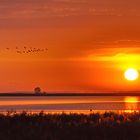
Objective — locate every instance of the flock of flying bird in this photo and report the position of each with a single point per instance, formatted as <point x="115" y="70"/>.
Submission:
<point x="28" y="50"/>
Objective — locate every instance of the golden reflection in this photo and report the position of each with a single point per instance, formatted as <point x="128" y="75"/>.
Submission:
<point x="131" y="104"/>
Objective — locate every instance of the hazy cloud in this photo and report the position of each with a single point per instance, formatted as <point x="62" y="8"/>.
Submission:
<point x="31" y="10"/>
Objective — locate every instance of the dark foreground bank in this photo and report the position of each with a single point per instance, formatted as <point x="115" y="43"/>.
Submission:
<point x="107" y="126"/>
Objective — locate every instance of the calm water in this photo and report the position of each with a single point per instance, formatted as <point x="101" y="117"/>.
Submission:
<point x="69" y="103"/>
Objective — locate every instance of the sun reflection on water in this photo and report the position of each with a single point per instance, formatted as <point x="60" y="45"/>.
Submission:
<point x="131" y="104"/>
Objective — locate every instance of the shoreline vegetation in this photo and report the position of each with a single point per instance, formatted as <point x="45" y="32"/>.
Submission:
<point x="97" y="126"/>
<point x="72" y="94"/>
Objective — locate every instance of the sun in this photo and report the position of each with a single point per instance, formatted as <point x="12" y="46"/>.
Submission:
<point x="131" y="74"/>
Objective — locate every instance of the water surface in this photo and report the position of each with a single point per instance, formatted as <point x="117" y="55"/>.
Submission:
<point x="69" y="103"/>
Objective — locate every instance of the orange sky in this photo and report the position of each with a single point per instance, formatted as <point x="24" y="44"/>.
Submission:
<point x="90" y="45"/>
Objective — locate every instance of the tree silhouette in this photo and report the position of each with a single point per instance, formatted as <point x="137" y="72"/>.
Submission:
<point x="37" y="90"/>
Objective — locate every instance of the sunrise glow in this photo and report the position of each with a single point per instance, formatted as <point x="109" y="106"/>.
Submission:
<point x="64" y="46"/>
<point x="131" y="74"/>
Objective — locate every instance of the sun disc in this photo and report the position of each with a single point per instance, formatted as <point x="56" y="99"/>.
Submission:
<point x="131" y="74"/>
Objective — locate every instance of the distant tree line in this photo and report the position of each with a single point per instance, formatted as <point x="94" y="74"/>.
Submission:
<point x="38" y="91"/>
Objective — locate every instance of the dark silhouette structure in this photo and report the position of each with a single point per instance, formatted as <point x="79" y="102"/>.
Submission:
<point x="37" y="90"/>
<point x="41" y="126"/>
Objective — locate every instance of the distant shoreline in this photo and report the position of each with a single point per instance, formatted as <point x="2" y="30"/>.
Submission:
<point x="69" y="94"/>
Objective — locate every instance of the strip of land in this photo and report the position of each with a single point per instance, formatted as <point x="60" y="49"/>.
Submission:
<point x="73" y="94"/>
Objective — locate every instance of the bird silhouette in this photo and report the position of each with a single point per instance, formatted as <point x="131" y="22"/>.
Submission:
<point x="28" y="50"/>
